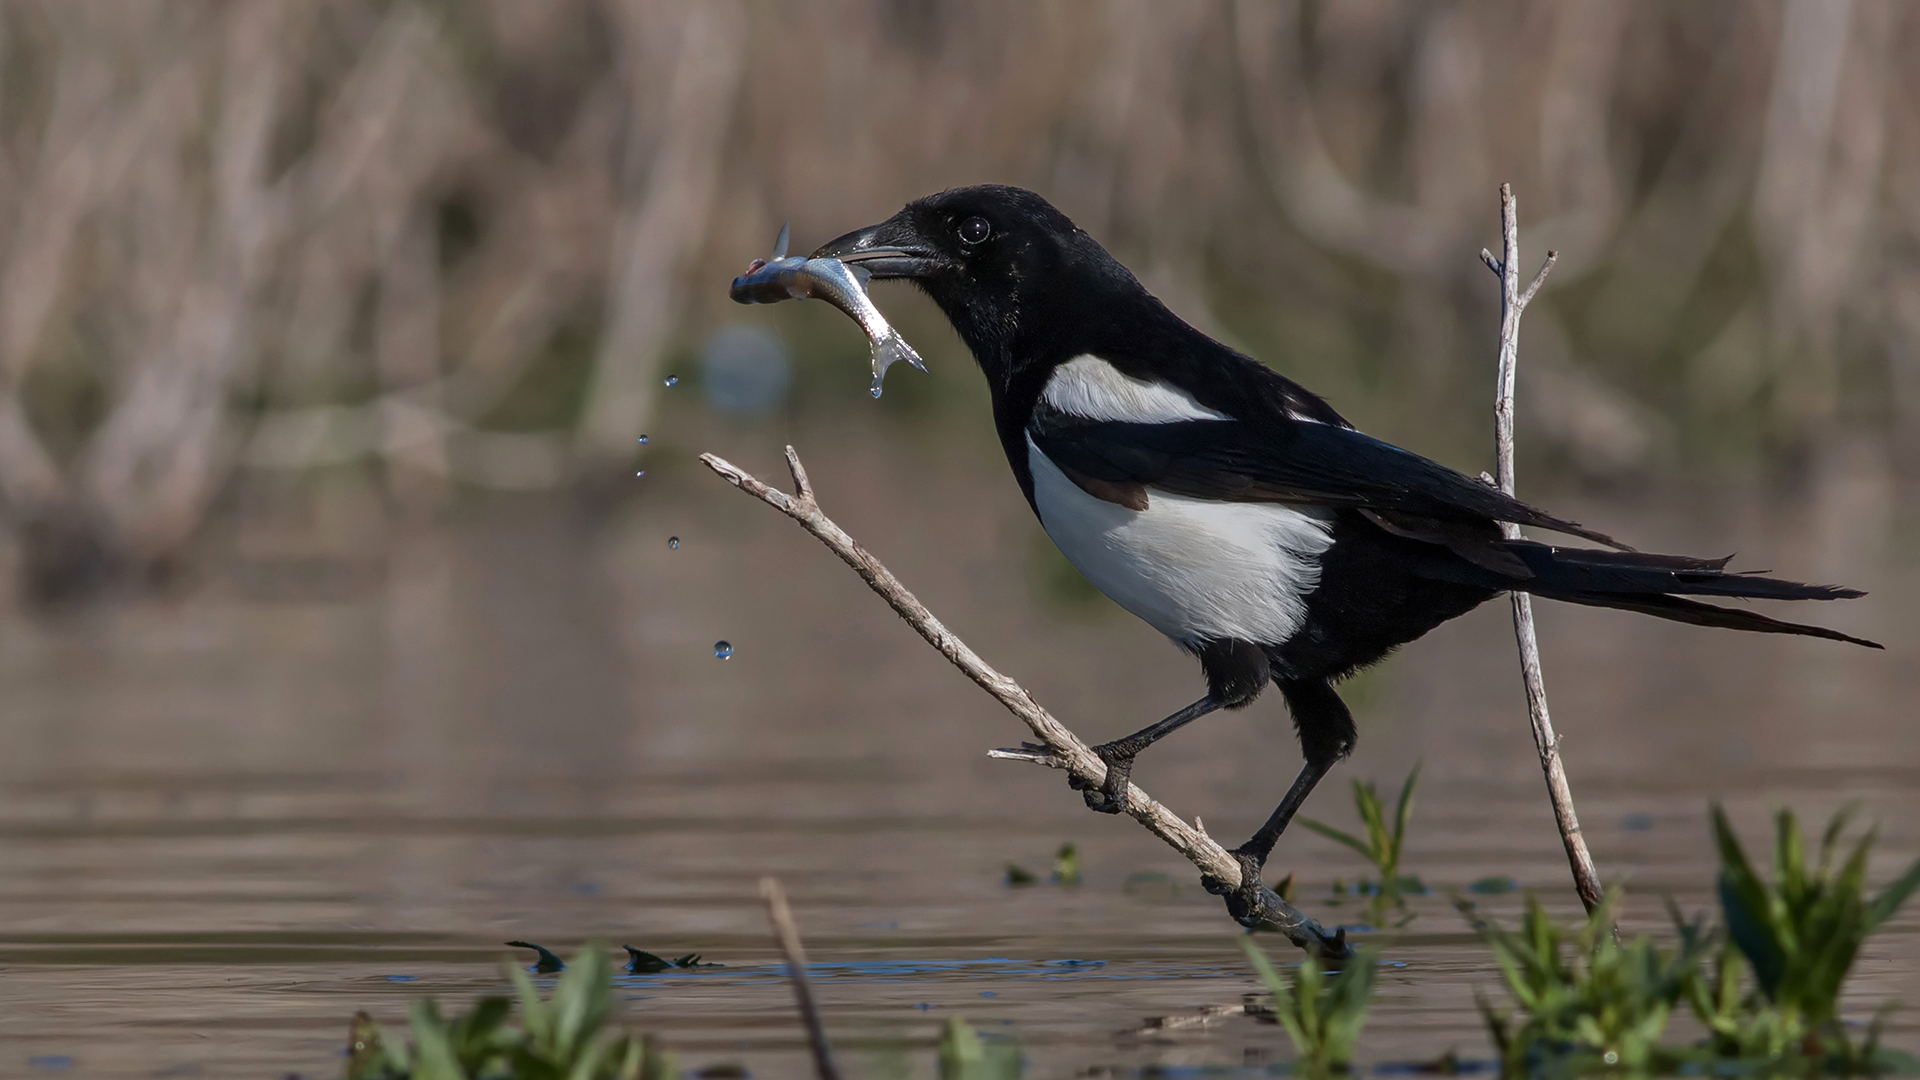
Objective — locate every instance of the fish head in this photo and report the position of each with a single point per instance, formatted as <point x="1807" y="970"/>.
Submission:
<point x="990" y="256"/>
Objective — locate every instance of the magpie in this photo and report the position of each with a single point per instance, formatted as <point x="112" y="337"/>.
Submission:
<point x="1224" y="504"/>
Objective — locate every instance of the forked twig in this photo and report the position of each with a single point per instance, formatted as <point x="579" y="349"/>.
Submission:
<point x="781" y="918"/>
<point x="1250" y="902"/>
<point x="1513" y="301"/>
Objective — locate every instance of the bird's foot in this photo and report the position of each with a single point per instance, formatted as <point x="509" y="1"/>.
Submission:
<point x="1110" y="795"/>
<point x="1245" y="901"/>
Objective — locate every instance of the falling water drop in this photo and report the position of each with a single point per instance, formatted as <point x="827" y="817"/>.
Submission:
<point x="642" y="472"/>
<point x="673" y="542"/>
<point x="672" y="379"/>
<point x="723" y="649"/>
<point x="643" y="440"/>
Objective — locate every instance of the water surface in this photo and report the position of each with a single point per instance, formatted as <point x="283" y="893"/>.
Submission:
<point x="307" y="784"/>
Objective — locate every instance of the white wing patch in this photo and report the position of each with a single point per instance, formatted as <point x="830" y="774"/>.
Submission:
<point x="1194" y="569"/>
<point x="1089" y="387"/>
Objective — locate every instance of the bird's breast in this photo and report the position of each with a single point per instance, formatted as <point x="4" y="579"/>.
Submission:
<point x="1194" y="569"/>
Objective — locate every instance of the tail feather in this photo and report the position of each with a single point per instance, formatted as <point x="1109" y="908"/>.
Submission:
<point x="1558" y="571"/>
<point x="1699" y="614"/>
<point x="1647" y="583"/>
<point x="1477" y="555"/>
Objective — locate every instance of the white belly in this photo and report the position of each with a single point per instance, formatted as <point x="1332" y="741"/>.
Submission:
<point x="1194" y="569"/>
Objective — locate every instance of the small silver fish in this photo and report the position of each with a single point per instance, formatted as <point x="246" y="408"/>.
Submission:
<point x="783" y="277"/>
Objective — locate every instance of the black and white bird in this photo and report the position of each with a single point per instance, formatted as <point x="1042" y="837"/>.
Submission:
<point x="1227" y="506"/>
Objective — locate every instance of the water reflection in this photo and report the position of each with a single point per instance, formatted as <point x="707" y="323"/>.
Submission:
<point x="231" y="817"/>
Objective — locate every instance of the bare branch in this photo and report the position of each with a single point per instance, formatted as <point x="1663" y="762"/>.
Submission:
<point x="1527" y="297"/>
<point x="1250" y="902"/>
<point x="800" y="485"/>
<point x="788" y="936"/>
<point x="1493" y="264"/>
<point x="1512" y="302"/>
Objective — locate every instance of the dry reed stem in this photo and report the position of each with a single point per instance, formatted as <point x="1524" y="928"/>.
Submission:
<point x="1513" y="301"/>
<point x="784" y="932"/>
<point x="1251" y="903"/>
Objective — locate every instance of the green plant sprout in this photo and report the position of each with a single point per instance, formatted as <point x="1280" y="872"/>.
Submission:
<point x="559" y="1038"/>
<point x="1586" y="1002"/>
<point x="1382" y="845"/>
<point x="1066" y="869"/>
<point x="964" y="1055"/>
<point x="1066" y="865"/>
<point x="1323" y="1013"/>
<point x="1798" y="935"/>
<point x="1766" y="986"/>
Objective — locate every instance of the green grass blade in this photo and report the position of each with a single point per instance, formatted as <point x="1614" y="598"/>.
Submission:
<point x="1373" y="814"/>
<point x="1263" y="967"/>
<point x="534" y="1014"/>
<point x="1404" y="810"/>
<point x="586" y="1063"/>
<point x="1893" y="896"/>
<point x="1830" y="840"/>
<point x="1747" y="908"/>
<point x="1336" y="835"/>
<point x="1789" y="858"/>
<point x="582" y="998"/>
<point x="433" y="1057"/>
<point x="962" y="1055"/>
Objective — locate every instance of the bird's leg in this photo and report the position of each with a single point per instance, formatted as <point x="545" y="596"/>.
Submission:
<point x="1253" y="854"/>
<point x="1111" y="796"/>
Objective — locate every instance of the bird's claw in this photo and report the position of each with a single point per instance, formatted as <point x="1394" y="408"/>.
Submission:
<point x="1110" y="795"/>
<point x="1244" y="901"/>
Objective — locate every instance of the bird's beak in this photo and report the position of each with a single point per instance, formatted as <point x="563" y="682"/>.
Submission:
<point x="891" y="249"/>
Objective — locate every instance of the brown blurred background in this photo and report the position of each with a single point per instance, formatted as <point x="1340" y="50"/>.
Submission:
<point x="341" y="642"/>
<point x="256" y="254"/>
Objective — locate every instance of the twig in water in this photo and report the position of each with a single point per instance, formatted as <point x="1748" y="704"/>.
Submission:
<point x="789" y="939"/>
<point x="1513" y="301"/>
<point x="1250" y="902"/>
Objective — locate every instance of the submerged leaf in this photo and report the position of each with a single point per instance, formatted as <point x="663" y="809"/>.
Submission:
<point x="642" y="962"/>
<point x="547" y="964"/>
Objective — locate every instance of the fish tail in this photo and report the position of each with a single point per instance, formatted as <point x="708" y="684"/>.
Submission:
<point x="892" y="347"/>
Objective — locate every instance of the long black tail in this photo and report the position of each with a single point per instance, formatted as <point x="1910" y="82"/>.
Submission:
<point x="1656" y="585"/>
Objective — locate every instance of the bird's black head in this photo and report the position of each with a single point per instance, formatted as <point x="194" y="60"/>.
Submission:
<point x="1002" y="263"/>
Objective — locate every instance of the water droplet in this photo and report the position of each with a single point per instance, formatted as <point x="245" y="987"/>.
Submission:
<point x="673" y="542"/>
<point x="643" y="440"/>
<point x="876" y="384"/>
<point x="642" y="472"/>
<point x="723" y="649"/>
<point x="673" y="380"/>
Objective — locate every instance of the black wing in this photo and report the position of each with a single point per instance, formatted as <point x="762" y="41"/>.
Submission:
<point x="1295" y="462"/>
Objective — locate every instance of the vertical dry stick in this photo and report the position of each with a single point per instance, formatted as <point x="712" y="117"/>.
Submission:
<point x="789" y="938"/>
<point x="1512" y="303"/>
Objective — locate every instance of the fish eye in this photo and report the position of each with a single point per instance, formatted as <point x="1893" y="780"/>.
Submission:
<point x="975" y="230"/>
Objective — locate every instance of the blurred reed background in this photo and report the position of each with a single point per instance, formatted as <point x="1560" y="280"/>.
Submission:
<point x="250" y="249"/>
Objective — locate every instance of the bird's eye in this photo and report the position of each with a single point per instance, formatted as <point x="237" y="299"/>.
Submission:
<point x="975" y="230"/>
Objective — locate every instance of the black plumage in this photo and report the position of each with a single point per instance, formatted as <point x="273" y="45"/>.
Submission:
<point x="1227" y="505"/>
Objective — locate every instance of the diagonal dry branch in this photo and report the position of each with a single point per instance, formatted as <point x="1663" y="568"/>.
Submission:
<point x="1513" y="301"/>
<point x="1250" y="902"/>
